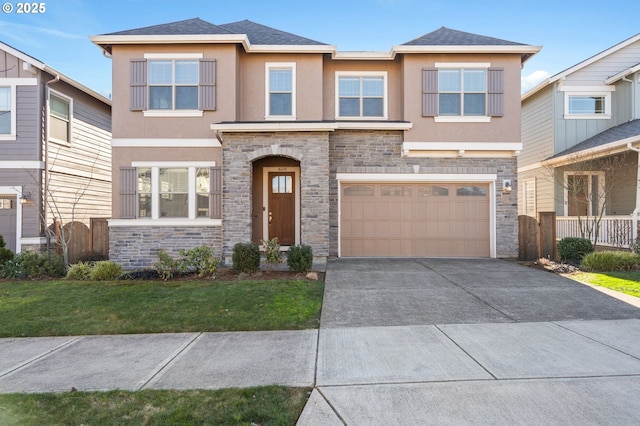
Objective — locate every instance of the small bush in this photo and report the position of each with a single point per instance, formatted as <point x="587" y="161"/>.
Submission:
<point x="11" y="269"/>
<point x="300" y="258"/>
<point x="41" y="265"/>
<point x="608" y="261"/>
<point x="636" y="246"/>
<point x="246" y="258"/>
<point x="5" y="253"/>
<point x="272" y="253"/>
<point x="91" y="257"/>
<point x="199" y="260"/>
<point x="106" y="270"/>
<point x="574" y="249"/>
<point x="166" y="266"/>
<point x="80" y="271"/>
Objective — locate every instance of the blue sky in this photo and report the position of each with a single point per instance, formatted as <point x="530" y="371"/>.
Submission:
<point x="569" y="30"/>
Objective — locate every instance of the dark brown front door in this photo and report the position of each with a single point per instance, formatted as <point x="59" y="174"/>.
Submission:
<point x="282" y="207"/>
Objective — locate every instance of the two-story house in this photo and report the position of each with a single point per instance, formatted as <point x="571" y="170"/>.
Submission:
<point x="240" y="132"/>
<point x="55" y="154"/>
<point x="581" y="141"/>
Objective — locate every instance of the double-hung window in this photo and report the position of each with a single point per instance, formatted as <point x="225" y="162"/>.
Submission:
<point x="59" y="118"/>
<point x="280" y="97"/>
<point x="173" y="84"/>
<point x="5" y="111"/>
<point x="171" y="190"/>
<point x="361" y="95"/>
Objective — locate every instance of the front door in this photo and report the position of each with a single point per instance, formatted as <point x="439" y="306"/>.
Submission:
<point x="8" y="218"/>
<point x="578" y="187"/>
<point x="282" y="207"/>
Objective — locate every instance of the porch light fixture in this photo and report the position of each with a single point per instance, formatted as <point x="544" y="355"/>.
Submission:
<point x="24" y="198"/>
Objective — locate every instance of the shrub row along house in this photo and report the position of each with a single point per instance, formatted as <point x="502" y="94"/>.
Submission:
<point x="581" y="136"/>
<point x="55" y="158"/>
<point x="240" y="132"/>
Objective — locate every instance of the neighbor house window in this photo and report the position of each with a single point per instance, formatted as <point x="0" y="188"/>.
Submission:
<point x="462" y="92"/>
<point x="361" y="95"/>
<point x="280" y="101"/>
<point x="585" y="105"/>
<point x="5" y="111"/>
<point x="529" y="195"/>
<point x="59" y="118"/>
<point x="173" y="84"/>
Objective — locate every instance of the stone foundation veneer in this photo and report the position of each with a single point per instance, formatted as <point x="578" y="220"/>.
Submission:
<point x="136" y="247"/>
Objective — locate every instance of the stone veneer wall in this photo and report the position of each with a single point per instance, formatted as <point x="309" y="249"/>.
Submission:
<point x="368" y="151"/>
<point x="135" y="247"/>
<point x="240" y="150"/>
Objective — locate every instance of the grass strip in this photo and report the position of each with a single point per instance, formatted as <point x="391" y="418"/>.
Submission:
<point x="627" y="282"/>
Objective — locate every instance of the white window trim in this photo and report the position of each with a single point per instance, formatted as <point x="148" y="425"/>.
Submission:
<point x="528" y="183"/>
<point x="385" y="99"/>
<point x="70" y="101"/>
<point x="171" y="112"/>
<point x="12" y="83"/>
<point x="155" y="167"/>
<point x="463" y="118"/>
<point x="607" y="104"/>
<point x="601" y="188"/>
<point x="267" y="104"/>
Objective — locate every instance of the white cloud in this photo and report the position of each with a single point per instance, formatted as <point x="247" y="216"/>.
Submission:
<point x="528" y="82"/>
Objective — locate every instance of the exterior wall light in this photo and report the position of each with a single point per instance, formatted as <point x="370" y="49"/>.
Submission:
<point x="506" y="186"/>
<point x="24" y="199"/>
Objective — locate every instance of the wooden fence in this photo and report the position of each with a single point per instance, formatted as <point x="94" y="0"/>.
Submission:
<point x="537" y="238"/>
<point x="86" y="240"/>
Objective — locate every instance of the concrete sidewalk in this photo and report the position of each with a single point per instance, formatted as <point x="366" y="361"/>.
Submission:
<point x="401" y="342"/>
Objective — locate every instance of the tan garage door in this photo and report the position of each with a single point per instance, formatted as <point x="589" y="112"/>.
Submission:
<point x="415" y="219"/>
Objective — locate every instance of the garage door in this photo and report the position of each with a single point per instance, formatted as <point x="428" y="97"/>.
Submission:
<point x="415" y="219"/>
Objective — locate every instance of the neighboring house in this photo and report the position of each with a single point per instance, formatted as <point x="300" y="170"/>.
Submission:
<point x="240" y="132"/>
<point x="55" y="154"/>
<point x="581" y="137"/>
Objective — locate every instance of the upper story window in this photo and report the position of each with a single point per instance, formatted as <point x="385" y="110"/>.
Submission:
<point x="361" y="95"/>
<point x="173" y="85"/>
<point x="466" y="92"/>
<point x="280" y="99"/>
<point x="59" y="118"/>
<point x="587" y="103"/>
<point x="5" y="111"/>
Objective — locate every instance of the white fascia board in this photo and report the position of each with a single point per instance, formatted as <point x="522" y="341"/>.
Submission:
<point x="26" y="165"/>
<point x="467" y="49"/>
<point x="416" y="177"/>
<point x="544" y="83"/>
<point x="364" y="56"/>
<point x="164" y="143"/>
<point x="273" y="127"/>
<point x="607" y="149"/>
<point x="622" y="74"/>
<point x="462" y="146"/>
<point x="22" y="56"/>
<point x="315" y="48"/>
<point x="124" y="223"/>
<point x="364" y="125"/>
<point x="169" y="39"/>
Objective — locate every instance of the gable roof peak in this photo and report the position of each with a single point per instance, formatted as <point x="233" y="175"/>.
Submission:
<point x="444" y="36"/>
<point x="191" y="26"/>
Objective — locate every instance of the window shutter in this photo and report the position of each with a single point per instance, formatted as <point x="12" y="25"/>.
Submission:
<point x="215" y="196"/>
<point x="128" y="185"/>
<point x="429" y="92"/>
<point x="138" y="84"/>
<point x="495" y="92"/>
<point x="207" y="85"/>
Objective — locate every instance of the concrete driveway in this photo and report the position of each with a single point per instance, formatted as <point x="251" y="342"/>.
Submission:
<point x="482" y="342"/>
<point x="391" y="292"/>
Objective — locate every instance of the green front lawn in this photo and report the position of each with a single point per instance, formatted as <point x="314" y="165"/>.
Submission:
<point x="271" y="405"/>
<point x="60" y="308"/>
<point x="627" y="282"/>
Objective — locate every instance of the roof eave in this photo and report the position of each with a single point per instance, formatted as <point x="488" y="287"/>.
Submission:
<point x="591" y="153"/>
<point x="525" y="50"/>
<point x="622" y="74"/>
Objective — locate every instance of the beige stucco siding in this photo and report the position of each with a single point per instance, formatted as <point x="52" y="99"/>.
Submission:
<point x="500" y="129"/>
<point x="133" y="124"/>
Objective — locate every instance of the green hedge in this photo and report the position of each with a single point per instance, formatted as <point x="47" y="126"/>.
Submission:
<point x="609" y="261"/>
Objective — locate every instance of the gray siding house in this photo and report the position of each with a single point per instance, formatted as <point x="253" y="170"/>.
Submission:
<point x="55" y="154"/>
<point x="581" y="141"/>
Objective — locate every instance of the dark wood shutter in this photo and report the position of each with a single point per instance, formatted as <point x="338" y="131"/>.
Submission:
<point x="128" y="186"/>
<point x="429" y="92"/>
<point x="495" y="92"/>
<point x="215" y="196"/>
<point x="138" y="84"/>
<point x="207" y="87"/>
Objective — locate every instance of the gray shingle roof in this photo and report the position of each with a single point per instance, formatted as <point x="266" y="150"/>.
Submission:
<point x="617" y="133"/>
<point x="257" y="33"/>
<point x="448" y="37"/>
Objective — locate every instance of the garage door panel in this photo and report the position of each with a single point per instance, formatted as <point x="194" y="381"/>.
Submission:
<point x="437" y="220"/>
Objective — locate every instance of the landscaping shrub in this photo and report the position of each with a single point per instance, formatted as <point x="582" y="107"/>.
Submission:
<point x="31" y="264"/>
<point x="608" y="261"/>
<point x="80" y="271"/>
<point x="246" y="258"/>
<point x="91" y="257"/>
<point x="574" y="249"/>
<point x="106" y="270"/>
<point x="166" y="266"/>
<point x="5" y="253"/>
<point x="199" y="260"/>
<point x="636" y="246"/>
<point x="272" y="253"/>
<point x="11" y="269"/>
<point x="300" y="258"/>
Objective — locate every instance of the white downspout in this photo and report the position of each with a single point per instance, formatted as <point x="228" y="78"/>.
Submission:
<point x="634" y="215"/>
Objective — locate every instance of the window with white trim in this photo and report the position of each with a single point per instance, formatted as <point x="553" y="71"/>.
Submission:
<point x="280" y="99"/>
<point x="5" y="111"/>
<point x="173" y="84"/>
<point x="462" y="92"/>
<point x="529" y="196"/>
<point x="585" y="105"/>
<point x="60" y="108"/>
<point x="361" y="95"/>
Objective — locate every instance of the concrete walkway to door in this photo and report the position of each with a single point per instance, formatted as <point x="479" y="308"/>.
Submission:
<point x="480" y="341"/>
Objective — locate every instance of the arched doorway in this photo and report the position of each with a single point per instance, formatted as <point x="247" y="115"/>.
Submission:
<point x="276" y="200"/>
